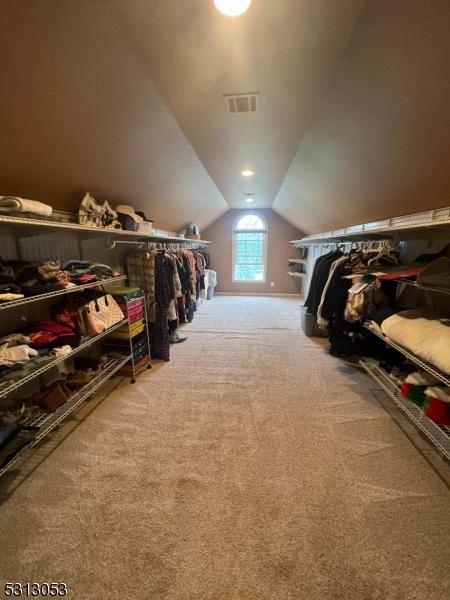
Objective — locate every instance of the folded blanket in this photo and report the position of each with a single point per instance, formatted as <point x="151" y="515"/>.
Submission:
<point x="14" y="204"/>
<point x="423" y="333"/>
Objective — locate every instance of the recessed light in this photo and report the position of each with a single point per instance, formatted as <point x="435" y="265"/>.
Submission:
<point x="249" y="197"/>
<point x="247" y="173"/>
<point x="232" y="8"/>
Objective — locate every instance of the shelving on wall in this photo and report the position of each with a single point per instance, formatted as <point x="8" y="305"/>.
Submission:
<point x="415" y="230"/>
<point x="438" y="435"/>
<point x="408" y="225"/>
<point x="46" y="224"/>
<point x="296" y="274"/>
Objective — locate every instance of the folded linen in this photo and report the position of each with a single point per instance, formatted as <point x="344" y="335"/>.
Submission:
<point x="15" y="204"/>
<point x="423" y="333"/>
<point x="10" y="354"/>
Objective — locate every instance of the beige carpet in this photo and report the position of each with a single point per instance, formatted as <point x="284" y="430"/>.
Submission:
<point x="252" y="466"/>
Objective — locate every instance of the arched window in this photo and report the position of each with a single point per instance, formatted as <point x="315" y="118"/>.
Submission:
<point x="249" y="248"/>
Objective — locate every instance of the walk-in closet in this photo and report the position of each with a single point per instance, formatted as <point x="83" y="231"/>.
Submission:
<point x="225" y="299"/>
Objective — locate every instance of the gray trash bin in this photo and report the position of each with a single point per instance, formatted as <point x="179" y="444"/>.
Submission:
<point x="309" y="325"/>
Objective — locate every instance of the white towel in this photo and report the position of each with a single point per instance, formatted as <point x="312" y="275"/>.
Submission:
<point x="14" y="204"/>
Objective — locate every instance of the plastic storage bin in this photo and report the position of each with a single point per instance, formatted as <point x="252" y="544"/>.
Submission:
<point x="309" y="325"/>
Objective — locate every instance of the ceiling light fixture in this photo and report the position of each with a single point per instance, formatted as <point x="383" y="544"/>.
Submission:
<point x="249" y="198"/>
<point x="232" y="8"/>
<point x="247" y="173"/>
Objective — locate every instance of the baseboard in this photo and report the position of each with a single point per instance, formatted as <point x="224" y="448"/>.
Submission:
<point x="254" y="294"/>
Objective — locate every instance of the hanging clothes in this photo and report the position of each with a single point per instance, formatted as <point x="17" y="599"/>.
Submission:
<point x="319" y="279"/>
<point x="172" y="280"/>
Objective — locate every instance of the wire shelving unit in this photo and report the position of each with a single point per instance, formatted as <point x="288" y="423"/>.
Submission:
<point x="438" y="435"/>
<point x="52" y="420"/>
<point x="415" y="223"/>
<point x="62" y="292"/>
<point x="425" y="288"/>
<point x="8" y="387"/>
<point x="47" y="224"/>
<point x="426" y="366"/>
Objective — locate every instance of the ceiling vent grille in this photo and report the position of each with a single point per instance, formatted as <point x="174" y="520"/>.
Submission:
<point x="242" y="103"/>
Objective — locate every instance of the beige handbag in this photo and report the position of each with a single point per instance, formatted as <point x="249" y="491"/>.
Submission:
<point x="100" y="314"/>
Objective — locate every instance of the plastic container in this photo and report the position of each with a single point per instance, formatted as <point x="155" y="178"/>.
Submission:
<point x="210" y="293"/>
<point x="309" y="325"/>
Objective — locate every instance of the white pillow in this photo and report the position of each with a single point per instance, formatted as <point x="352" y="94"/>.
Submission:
<point x="422" y="333"/>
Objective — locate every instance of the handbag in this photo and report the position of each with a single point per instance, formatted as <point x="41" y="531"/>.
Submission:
<point x="100" y="314"/>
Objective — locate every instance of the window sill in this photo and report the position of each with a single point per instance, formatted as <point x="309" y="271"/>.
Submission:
<point x="249" y="281"/>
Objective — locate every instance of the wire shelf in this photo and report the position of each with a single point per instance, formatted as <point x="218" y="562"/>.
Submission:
<point x="54" y="419"/>
<point x="417" y="222"/>
<point x="426" y="366"/>
<point x="439" y="436"/>
<point x="296" y="274"/>
<point x="43" y="223"/>
<point x="426" y="288"/>
<point x="62" y="292"/>
<point x="300" y="261"/>
<point x="8" y="387"/>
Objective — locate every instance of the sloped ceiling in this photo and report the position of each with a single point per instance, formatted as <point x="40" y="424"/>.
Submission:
<point x="124" y="99"/>
<point x="78" y="112"/>
<point x="286" y="50"/>
<point x="380" y="144"/>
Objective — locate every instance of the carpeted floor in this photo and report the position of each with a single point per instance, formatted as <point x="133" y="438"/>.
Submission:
<point x="252" y="466"/>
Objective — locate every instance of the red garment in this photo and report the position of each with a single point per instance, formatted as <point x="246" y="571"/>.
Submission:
<point x="86" y="278"/>
<point x="51" y="327"/>
<point x="42" y="338"/>
<point x="438" y="411"/>
<point x="412" y="272"/>
<point x="405" y="390"/>
<point x="69" y="315"/>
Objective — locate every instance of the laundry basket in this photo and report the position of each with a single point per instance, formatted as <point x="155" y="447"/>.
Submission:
<point x="212" y="282"/>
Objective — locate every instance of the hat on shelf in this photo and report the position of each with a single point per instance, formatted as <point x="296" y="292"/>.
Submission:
<point x="128" y="218"/>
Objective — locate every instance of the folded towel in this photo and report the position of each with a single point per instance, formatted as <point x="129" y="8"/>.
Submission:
<point x="13" y="204"/>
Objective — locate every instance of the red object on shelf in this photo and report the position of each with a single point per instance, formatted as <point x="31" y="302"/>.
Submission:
<point x="438" y="411"/>
<point x="405" y="390"/>
<point x="413" y="272"/>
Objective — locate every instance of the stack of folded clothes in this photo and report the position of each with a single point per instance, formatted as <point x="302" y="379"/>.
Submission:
<point x="14" y="437"/>
<point x="20" y="420"/>
<point x="83" y="271"/>
<point x="19" y="278"/>
<point x="414" y="386"/>
<point x="429" y="394"/>
<point x="15" y="349"/>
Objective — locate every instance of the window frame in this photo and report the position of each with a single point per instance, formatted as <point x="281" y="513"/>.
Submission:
<point x="234" y="244"/>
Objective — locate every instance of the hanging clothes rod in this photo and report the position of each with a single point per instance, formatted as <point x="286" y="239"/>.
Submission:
<point x="180" y="244"/>
<point x="113" y="243"/>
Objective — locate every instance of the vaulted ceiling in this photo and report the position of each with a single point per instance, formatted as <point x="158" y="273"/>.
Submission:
<point x="125" y="99"/>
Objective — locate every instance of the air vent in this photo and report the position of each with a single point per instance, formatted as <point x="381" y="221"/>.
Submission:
<point x="242" y="103"/>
